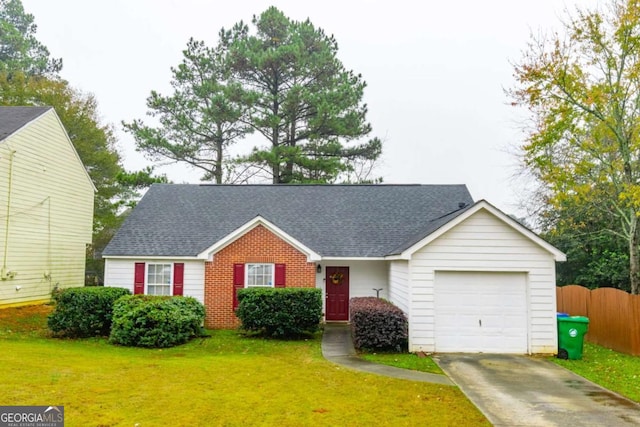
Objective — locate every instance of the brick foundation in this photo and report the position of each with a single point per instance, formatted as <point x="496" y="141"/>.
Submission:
<point x="257" y="245"/>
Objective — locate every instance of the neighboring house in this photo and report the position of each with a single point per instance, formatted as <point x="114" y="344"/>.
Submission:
<point x="46" y="207"/>
<point x="469" y="277"/>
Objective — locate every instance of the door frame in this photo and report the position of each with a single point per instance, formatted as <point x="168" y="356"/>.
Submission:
<point x="344" y="287"/>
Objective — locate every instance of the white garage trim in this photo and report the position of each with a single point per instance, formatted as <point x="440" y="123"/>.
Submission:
<point x="506" y="220"/>
<point x="481" y="312"/>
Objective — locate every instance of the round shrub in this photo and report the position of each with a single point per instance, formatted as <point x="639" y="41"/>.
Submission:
<point x="156" y="321"/>
<point x="377" y="324"/>
<point x="84" y="312"/>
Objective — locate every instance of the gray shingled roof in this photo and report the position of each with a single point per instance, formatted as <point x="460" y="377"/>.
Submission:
<point x="332" y="220"/>
<point x="13" y="118"/>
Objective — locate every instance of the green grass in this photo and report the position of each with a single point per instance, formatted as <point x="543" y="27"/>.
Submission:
<point x="226" y="379"/>
<point x="404" y="360"/>
<point x="616" y="371"/>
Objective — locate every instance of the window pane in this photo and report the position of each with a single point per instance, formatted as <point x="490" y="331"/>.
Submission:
<point x="159" y="290"/>
<point x="259" y="275"/>
<point x="159" y="279"/>
<point x="251" y="274"/>
<point x="151" y="274"/>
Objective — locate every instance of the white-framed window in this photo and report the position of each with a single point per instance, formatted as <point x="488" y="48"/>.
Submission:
<point x="159" y="279"/>
<point x="259" y="275"/>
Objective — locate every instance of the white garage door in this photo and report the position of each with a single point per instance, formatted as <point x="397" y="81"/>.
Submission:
<point x="480" y="312"/>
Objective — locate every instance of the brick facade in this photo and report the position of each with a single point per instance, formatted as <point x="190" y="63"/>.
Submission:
<point x="258" y="245"/>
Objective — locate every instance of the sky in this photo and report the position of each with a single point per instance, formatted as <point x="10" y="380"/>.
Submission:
<point x="436" y="73"/>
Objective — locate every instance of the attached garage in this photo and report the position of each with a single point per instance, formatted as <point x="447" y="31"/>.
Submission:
<point x="479" y="282"/>
<point x="480" y="312"/>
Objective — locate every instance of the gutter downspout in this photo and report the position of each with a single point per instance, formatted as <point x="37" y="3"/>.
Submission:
<point x="4" y="274"/>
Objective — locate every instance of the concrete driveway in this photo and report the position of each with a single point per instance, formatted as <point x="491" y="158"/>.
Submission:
<point x="527" y="391"/>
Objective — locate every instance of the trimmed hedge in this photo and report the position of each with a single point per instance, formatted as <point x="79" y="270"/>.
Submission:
<point x="377" y="324"/>
<point x="84" y="312"/>
<point x="280" y="312"/>
<point x="156" y="321"/>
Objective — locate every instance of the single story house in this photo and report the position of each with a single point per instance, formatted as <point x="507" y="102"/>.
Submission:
<point x="46" y="207"/>
<point x="469" y="277"/>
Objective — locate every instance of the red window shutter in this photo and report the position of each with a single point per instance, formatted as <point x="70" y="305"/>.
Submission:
<point x="238" y="282"/>
<point x="280" y="275"/>
<point x="178" y="278"/>
<point x="138" y="280"/>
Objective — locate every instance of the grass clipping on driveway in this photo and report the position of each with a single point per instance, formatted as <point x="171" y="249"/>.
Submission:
<point x="223" y="380"/>
<point x="404" y="360"/>
<point x="618" y="372"/>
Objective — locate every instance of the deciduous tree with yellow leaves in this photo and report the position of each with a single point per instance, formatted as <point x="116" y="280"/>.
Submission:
<point x="582" y="89"/>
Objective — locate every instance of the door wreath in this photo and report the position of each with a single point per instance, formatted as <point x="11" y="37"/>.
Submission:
<point x="336" y="278"/>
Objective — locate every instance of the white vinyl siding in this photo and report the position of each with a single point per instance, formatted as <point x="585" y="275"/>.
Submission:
<point x="367" y="276"/>
<point x="484" y="243"/>
<point x="120" y="273"/>
<point x="399" y="284"/>
<point x="50" y="212"/>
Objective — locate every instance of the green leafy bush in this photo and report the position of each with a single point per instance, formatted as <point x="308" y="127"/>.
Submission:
<point x="280" y="312"/>
<point x="156" y="321"/>
<point x="84" y="312"/>
<point x="377" y="324"/>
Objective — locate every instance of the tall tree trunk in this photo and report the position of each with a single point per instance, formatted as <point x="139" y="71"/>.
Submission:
<point x="275" y="165"/>
<point x="219" y="156"/>
<point x="634" y="258"/>
<point x="275" y="133"/>
<point x="288" y="168"/>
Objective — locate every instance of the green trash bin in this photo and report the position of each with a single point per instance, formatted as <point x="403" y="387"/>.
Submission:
<point x="571" y="331"/>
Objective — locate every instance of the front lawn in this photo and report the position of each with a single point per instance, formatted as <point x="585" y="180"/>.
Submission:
<point x="618" y="372"/>
<point x="222" y="380"/>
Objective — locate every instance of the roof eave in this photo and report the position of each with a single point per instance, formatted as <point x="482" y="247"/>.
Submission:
<point x="146" y="257"/>
<point x="397" y="257"/>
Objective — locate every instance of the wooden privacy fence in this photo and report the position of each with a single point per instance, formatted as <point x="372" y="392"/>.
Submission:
<point x="614" y="315"/>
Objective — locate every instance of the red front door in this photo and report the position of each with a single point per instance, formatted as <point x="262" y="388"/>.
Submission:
<point x="337" y="290"/>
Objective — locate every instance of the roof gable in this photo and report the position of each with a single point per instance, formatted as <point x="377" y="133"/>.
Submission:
<point x="339" y="221"/>
<point x="13" y="119"/>
<point x="245" y="228"/>
<point x="462" y="216"/>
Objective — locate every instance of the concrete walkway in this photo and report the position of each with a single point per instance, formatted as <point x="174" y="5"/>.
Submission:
<point x="337" y="347"/>
<point x="527" y="391"/>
